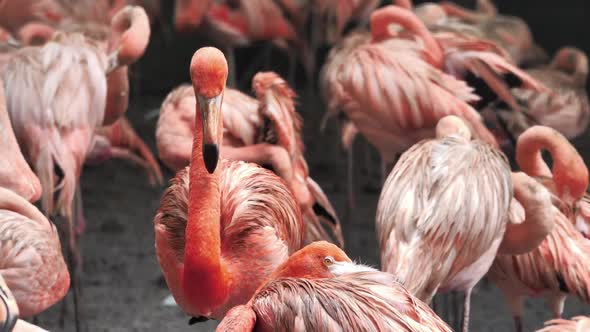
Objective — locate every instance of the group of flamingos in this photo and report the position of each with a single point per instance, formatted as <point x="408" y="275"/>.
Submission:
<point x="243" y="234"/>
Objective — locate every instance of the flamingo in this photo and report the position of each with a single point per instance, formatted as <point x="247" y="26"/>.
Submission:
<point x="576" y="324"/>
<point x="320" y="288"/>
<point x="510" y="32"/>
<point x="393" y="115"/>
<point x="442" y="214"/>
<point x="266" y="131"/>
<point x="222" y="227"/>
<point x="566" y="109"/>
<point x="56" y="97"/>
<point x="9" y="320"/>
<point x="117" y="139"/>
<point x="32" y="263"/>
<point x="15" y="173"/>
<point x="545" y="271"/>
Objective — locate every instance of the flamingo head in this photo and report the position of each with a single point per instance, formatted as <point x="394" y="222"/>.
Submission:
<point x="130" y="36"/>
<point x="318" y="260"/>
<point x="571" y="176"/>
<point x="572" y="61"/>
<point x="431" y="13"/>
<point x="452" y="125"/>
<point x="209" y="75"/>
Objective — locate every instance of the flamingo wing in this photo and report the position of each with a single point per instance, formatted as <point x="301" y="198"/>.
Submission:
<point x="362" y="301"/>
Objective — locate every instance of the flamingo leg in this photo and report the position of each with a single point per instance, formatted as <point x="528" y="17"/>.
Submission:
<point x="10" y="306"/>
<point x="349" y="177"/>
<point x="79" y="211"/>
<point x="231" y="61"/>
<point x="516" y="307"/>
<point x="466" y="309"/>
<point x="556" y="302"/>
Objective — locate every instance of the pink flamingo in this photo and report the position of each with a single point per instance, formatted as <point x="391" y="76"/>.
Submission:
<point x="266" y="131"/>
<point x="510" y="32"/>
<point x="566" y="108"/>
<point x="433" y="229"/>
<point x="393" y="115"/>
<point x="56" y="99"/>
<point x="15" y="173"/>
<point x="32" y="264"/>
<point x="221" y="229"/>
<point x="545" y="271"/>
<point x="576" y="324"/>
<point x="319" y="287"/>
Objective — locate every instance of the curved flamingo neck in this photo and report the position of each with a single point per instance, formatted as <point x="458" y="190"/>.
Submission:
<point x="381" y="19"/>
<point x="569" y="169"/>
<point x="205" y="278"/>
<point x="11" y="201"/>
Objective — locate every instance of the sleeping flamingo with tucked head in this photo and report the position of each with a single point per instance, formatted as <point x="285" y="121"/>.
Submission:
<point x="510" y="32"/>
<point x="32" y="263"/>
<point x="438" y="229"/>
<point x="266" y="131"/>
<point x="15" y="173"/>
<point x="320" y="288"/>
<point x="223" y="226"/>
<point x="557" y="267"/>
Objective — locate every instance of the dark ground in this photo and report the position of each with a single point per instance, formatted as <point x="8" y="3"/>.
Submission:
<point x="123" y="287"/>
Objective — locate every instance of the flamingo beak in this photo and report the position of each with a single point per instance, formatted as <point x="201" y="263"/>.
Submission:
<point x="209" y="109"/>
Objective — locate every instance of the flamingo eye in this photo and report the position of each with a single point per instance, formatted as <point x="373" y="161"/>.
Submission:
<point x="328" y="260"/>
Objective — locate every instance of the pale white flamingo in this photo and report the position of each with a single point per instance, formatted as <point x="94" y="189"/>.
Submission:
<point x="558" y="266"/>
<point x="443" y="212"/>
<point x="576" y="324"/>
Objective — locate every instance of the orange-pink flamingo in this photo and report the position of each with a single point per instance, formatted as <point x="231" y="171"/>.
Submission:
<point x="266" y="131"/>
<point x="442" y="214"/>
<point x="223" y="226"/>
<point x="319" y="287"/>
<point x="557" y="266"/>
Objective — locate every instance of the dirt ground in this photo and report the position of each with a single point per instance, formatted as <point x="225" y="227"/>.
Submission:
<point x="122" y="285"/>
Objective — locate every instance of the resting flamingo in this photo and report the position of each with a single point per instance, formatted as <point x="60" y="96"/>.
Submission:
<point x="222" y="226"/>
<point x="117" y="139"/>
<point x="32" y="263"/>
<point x="393" y="115"/>
<point x="433" y="231"/>
<point x="266" y="131"/>
<point x="545" y="271"/>
<point x="15" y="173"/>
<point x="576" y="324"/>
<point x="319" y="287"/>
<point x="56" y="97"/>
<point x="566" y="108"/>
<point x="510" y="32"/>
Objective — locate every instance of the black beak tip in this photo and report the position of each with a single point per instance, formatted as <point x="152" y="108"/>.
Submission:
<point x="211" y="157"/>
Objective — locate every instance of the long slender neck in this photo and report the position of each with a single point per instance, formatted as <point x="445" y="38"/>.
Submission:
<point x="520" y="238"/>
<point x="12" y="202"/>
<point x="205" y="277"/>
<point x="381" y="20"/>
<point x="528" y="153"/>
